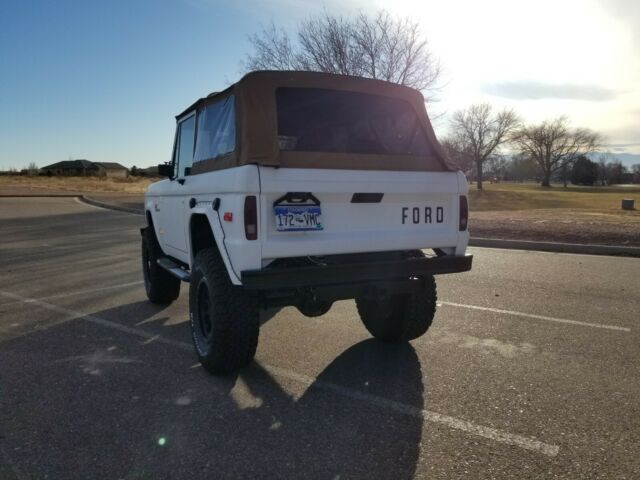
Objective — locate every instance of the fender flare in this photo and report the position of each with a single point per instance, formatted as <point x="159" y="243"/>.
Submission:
<point x="148" y="215"/>
<point x="218" y="235"/>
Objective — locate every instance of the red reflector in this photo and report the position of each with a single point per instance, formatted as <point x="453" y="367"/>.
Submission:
<point x="464" y="213"/>
<point x="251" y="217"/>
<point x="228" y="216"/>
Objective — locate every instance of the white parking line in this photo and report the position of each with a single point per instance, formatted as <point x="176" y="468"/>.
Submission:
<point x="500" y="436"/>
<point x="79" y="292"/>
<point x="72" y="314"/>
<point x="537" y="317"/>
<point x="51" y="255"/>
<point x="527" y="443"/>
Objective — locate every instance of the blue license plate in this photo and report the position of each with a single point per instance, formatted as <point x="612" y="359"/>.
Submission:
<point x="298" y="218"/>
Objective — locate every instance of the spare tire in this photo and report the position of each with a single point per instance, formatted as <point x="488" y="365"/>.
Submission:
<point x="400" y="317"/>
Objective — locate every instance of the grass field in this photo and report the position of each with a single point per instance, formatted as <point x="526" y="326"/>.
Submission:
<point x="78" y="184"/>
<point x="589" y="215"/>
<point x="511" y="196"/>
<point x="586" y="215"/>
<point x="494" y="197"/>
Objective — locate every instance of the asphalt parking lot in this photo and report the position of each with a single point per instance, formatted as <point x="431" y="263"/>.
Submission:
<point x="530" y="371"/>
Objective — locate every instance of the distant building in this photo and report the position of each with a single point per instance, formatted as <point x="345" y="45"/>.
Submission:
<point x="86" y="168"/>
<point x="148" y="172"/>
<point x="111" y="169"/>
<point x="70" y="168"/>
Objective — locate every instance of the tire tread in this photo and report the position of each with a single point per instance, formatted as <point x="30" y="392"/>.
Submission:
<point x="163" y="288"/>
<point x="236" y="320"/>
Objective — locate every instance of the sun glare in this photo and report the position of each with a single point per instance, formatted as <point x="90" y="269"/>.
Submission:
<point x="549" y="40"/>
<point x="573" y="42"/>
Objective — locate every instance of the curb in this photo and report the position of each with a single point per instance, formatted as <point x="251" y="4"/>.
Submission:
<point x="36" y="195"/>
<point x="555" y="247"/>
<point x="97" y="203"/>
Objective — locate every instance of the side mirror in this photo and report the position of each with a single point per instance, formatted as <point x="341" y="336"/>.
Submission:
<point x="165" y="170"/>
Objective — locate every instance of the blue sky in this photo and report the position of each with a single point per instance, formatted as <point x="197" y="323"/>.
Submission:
<point x="103" y="80"/>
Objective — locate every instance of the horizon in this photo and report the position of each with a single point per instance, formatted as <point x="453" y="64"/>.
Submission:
<point x="103" y="82"/>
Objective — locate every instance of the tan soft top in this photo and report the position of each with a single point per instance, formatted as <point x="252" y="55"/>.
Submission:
<point x="257" y="125"/>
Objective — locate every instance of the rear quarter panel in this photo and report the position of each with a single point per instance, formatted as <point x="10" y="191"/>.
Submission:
<point x="231" y="186"/>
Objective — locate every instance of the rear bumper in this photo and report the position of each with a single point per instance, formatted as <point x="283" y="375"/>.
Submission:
<point x="337" y="274"/>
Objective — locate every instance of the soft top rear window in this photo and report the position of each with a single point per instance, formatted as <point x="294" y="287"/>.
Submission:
<point x="320" y="120"/>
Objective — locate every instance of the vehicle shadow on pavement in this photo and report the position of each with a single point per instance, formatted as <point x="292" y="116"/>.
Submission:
<point x="328" y="431"/>
<point x="125" y="407"/>
<point x="142" y="313"/>
<point x="268" y="313"/>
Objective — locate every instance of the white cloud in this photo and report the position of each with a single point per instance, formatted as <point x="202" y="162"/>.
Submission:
<point x="536" y="90"/>
<point x="579" y="58"/>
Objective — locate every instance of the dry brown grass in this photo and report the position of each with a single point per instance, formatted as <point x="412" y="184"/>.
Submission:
<point x="495" y="197"/>
<point x="556" y="214"/>
<point x="79" y="184"/>
<point x="504" y="196"/>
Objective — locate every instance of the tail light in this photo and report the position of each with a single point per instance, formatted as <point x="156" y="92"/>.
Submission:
<point x="464" y="213"/>
<point x="251" y="217"/>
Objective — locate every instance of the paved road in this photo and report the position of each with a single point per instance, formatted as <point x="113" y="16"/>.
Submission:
<point x="530" y="371"/>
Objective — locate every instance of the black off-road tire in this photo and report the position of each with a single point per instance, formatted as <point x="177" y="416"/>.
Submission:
<point x="162" y="287"/>
<point x="224" y="318"/>
<point x="400" y="317"/>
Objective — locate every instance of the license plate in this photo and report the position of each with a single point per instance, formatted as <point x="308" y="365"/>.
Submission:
<point x="298" y="218"/>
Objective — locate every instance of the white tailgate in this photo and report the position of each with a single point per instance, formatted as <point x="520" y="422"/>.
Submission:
<point x="417" y="210"/>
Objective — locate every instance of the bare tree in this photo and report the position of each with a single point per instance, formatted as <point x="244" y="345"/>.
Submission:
<point x="32" y="168"/>
<point x="272" y="50"/>
<point x="497" y="166"/>
<point x="379" y="46"/>
<point x="394" y="49"/>
<point x="482" y="133"/>
<point x="458" y="154"/>
<point x="522" y="168"/>
<point x="616" y="172"/>
<point x="603" y="159"/>
<point x="552" y="143"/>
<point x="565" y="169"/>
<point x="326" y="44"/>
<point x="635" y="169"/>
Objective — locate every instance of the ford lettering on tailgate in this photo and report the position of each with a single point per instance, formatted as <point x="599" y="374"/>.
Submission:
<point x="422" y="215"/>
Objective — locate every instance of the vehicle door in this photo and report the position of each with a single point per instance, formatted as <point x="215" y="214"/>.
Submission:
<point x="173" y="209"/>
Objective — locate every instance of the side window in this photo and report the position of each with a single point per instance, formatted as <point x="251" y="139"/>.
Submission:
<point x="184" y="145"/>
<point x="216" y="130"/>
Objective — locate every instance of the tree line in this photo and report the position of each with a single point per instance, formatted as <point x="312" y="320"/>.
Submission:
<point x="394" y="49"/>
<point x="583" y="171"/>
<point x="549" y="150"/>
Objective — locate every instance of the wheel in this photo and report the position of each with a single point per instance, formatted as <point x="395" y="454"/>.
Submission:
<point x="224" y="318"/>
<point x="162" y="287"/>
<point x="400" y="317"/>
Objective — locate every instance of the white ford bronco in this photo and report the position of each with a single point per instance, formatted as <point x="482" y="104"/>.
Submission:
<point x="300" y="188"/>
